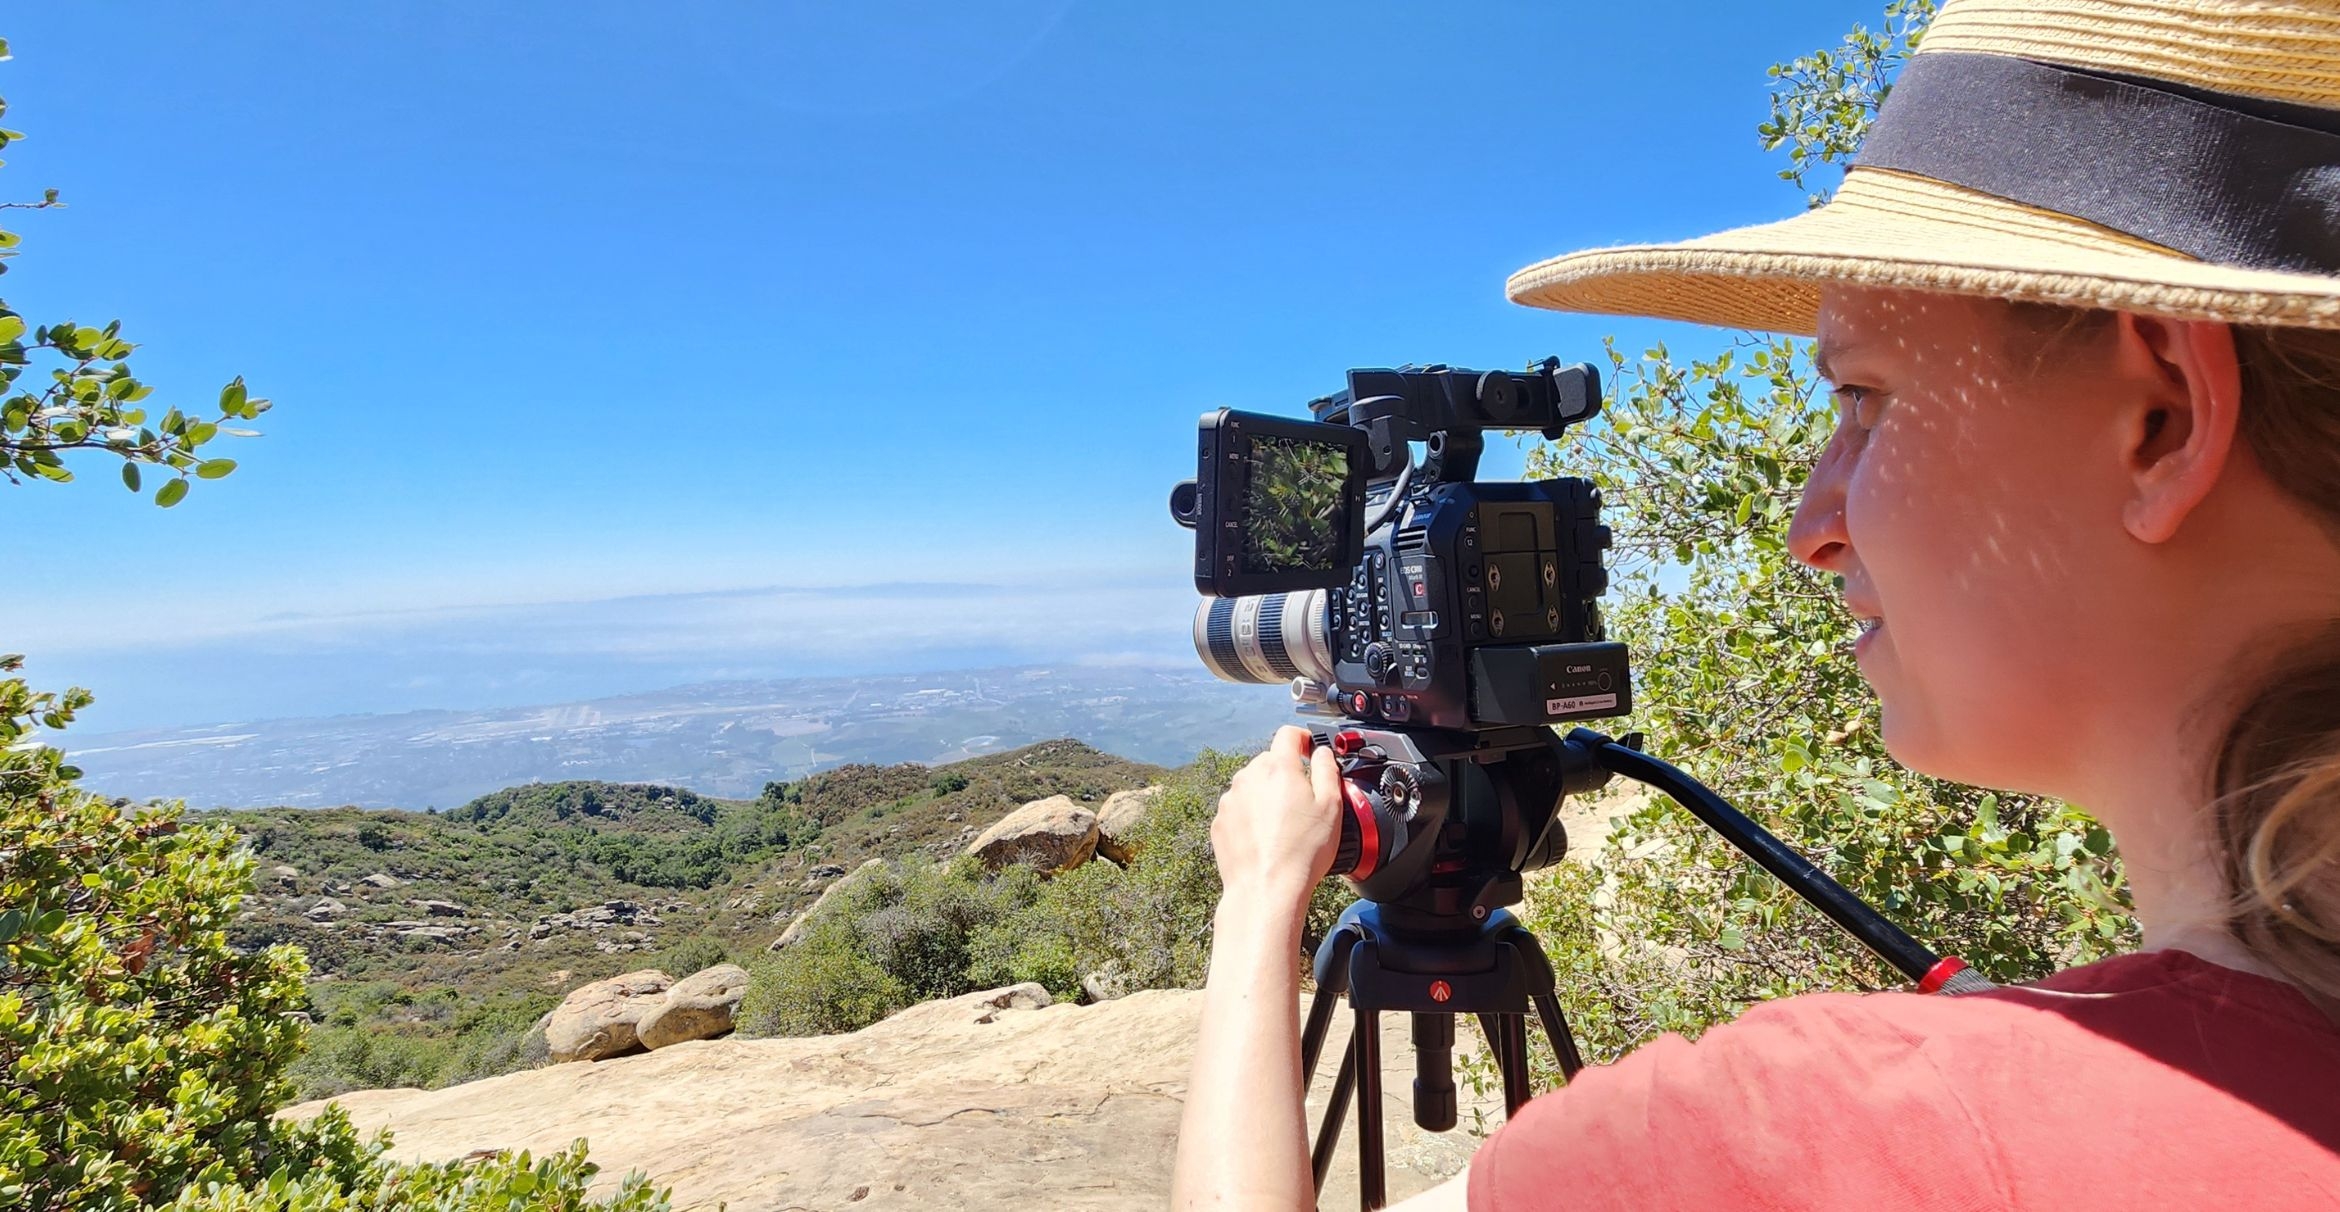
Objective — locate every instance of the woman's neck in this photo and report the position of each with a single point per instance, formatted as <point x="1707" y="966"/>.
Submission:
<point x="2169" y="852"/>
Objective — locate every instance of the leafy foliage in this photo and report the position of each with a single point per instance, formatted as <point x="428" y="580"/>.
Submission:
<point x="556" y="1183"/>
<point x="142" y="1056"/>
<point x="1821" y="103"/>
<point x="1746" y="673"/>
<point x="88" y="399"/>
<point x="897" y="936"/>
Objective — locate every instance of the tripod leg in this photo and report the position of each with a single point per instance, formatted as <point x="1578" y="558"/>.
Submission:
<point x="1503" y="1048"/>
<point x="1328" y="1134"/>
<point x="1320" y="1009"/>
<point x="1365" y="1048"/>
<point x="1517" y="1084"/>
<point x="1556" y="1027"/>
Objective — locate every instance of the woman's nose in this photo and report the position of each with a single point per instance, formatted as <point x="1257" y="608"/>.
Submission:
<point x="1816" y="536"/>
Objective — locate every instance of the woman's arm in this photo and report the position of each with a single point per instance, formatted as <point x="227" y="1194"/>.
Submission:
<point x="1243" y="1140"/>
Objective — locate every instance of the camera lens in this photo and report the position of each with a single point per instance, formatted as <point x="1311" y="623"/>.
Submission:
<point x="1265" y="638"/>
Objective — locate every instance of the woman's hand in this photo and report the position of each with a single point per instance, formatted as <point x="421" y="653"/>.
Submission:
<point x="1279" y="822"/>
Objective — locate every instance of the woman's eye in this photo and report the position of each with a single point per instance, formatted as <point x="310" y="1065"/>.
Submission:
<point x="1858" y="406"/>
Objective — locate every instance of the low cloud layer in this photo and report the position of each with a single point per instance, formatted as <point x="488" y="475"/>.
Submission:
<point x="506" y="655"/>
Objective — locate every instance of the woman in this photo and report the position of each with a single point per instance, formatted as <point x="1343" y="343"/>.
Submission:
<point x="2079" y="304"/>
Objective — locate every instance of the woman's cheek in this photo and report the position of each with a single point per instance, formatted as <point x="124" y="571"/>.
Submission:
<point x="1977" y="635"/>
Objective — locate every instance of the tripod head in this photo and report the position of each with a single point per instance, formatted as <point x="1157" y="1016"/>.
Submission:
<point x="1438" y="827"/>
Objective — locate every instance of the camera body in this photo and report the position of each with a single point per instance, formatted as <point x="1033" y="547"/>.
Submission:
<point x="1394" y="590"/>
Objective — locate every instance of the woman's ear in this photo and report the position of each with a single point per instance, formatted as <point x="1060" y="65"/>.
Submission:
<point x="2181" y="421"/>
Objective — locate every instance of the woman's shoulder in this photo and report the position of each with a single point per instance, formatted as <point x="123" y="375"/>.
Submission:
<point x="2162" y="1011"/>
<point x="2148" y="1074"/>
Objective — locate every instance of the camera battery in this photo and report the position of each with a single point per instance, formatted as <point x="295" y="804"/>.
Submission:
<point x="1549" y="683"/>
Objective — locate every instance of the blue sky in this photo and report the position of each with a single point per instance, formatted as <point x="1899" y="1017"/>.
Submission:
<point x="601" y="333"/>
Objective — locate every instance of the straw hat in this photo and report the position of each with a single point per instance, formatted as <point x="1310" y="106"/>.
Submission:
<point x="2178" y="157"/>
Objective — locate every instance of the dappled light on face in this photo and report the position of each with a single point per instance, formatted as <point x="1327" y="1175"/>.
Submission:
<point x="1963" y="520"/>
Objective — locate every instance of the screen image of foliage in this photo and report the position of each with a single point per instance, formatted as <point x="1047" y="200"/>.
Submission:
<point x="1294" y="515"/>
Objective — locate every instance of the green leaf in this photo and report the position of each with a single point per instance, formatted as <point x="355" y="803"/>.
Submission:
<point x="212" y="469"/>
<point x="11" y="327"/>
<point x="11" y="924"/>
<point x="130" y="476"/>
<point x="231" y="398"/>
<point x="171" y="494"/>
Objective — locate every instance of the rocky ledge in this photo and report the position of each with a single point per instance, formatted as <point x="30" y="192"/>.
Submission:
<point x="994" y="1100"/>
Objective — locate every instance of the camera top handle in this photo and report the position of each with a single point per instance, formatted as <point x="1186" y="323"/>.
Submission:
<point x="1450" y="410"/>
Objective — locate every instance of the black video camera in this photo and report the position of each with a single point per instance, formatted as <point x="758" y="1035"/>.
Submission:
<point x="1400" y="593"/>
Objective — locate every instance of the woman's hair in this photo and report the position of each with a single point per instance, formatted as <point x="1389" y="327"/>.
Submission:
<point x="2276" y="775"/>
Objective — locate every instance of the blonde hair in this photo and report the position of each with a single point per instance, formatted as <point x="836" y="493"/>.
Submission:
<point x="2275" y="780"/>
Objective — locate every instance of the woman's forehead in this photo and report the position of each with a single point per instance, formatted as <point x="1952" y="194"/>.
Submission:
<point x="1863" y="324"/>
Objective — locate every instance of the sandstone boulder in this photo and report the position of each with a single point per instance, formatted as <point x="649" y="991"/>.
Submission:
<point x="599" y="1020"/>
<point x="1050" y="836"/>
<point x="439" y="908"/>
<point x="1105" y="984"/>
<point x="284" y="877"/>
<point x="382" y="879"/>
<point x="700" y="1006"/>
<point x="796" y="927"/>
<point x="326" y="907"/>
<point x="1119" y="818"/>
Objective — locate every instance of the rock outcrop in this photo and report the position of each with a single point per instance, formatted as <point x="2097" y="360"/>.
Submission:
<point x="1050" y="836"/>
<point x="798" y="924"/>
<point x="1119" y="818"/>
<point x="699" y="1006"/>
<point x="992" y="1101"/>
<point x="600" y="1020"/>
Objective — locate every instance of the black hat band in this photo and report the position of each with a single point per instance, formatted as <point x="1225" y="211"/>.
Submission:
<point x="2228" y="180"/>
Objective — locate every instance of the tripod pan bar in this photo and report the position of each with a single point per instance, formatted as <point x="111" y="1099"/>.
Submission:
<point x="1889" y="941"/>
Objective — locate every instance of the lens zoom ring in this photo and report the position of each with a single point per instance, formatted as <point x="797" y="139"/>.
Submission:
<point x="1271" y="637"/>
<point x="1219" y="632"/>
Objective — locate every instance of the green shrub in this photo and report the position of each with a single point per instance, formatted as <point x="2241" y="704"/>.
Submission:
<point x="142" y="1058"/>
<point x="905" y="933"/>
<point x="556" y="1183"/>
<point x="686" y="956"/>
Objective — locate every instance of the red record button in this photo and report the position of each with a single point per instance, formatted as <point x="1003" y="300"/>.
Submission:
<point x="1441" y="992"/>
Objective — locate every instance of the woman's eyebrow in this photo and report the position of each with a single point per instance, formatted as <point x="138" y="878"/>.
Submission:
<point x="1824" y="354"/>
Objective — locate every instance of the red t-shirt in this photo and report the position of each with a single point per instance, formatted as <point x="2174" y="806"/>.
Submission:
<point x="2155" y="1080"/>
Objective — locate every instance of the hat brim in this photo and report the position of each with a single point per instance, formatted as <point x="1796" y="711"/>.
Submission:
<point x="1897" y="231"/>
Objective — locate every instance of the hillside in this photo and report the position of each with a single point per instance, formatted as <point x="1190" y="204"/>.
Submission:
<point x="435" y="939"/>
